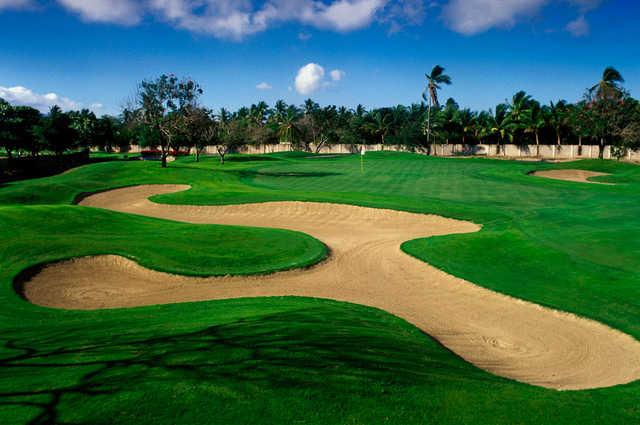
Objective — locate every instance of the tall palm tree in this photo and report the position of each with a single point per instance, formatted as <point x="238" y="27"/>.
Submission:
<point x="435" y="79"/>
<point x="609" y="86"/>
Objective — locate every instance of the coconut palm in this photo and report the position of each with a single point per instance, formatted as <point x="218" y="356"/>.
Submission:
<point x="501" y="125"/>
<point x="536" y="119"/>
<point x="379" y="124"/>
<point x="258" y="113"/>
<point x="466" y="122"/>
<point x="485" y="124"/>
<point x="518" y="110"/>
<point x="288" y="131"/>
<point x="558" y="118"/>
<point x="609" y="86"/>
<point x="435" y="79"/>
<point x="279" y="110"/>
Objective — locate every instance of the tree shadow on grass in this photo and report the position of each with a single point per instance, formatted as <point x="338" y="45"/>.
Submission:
<point x="251" y="158"/>
<point x="288" y="174"/>
<point x="295" y="350"/>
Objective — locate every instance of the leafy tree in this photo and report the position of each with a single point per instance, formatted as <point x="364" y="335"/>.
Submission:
<point x="578" y="122"/>
<point x="609" y="109"/>
<point x="84" y="122"/>
<point x="26" y="121"/>
<point x="56" y="131"/>
<point x="231" y="133"/>
<point x="7" y="141"/>
<point x="163" y="103"/>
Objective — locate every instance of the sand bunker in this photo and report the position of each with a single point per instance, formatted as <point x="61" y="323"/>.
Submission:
<point x="581" y="176"/>
<point x="503" y="335"/>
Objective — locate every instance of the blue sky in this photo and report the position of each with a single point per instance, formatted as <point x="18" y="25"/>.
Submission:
<point x="92" y="53"/>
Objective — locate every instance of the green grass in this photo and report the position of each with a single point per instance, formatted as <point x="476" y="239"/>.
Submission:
<point x="572" y="246"/>
<point x="114" y="155"/>
<point x="206" y="250"/>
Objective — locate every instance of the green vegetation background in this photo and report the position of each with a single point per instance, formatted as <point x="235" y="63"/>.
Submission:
<point x="571" y="246"/>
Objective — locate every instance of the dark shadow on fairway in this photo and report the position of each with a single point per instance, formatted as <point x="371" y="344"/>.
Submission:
<point x="251" y="158"/>
<point x="308" y="349"/>
<point x="297" y="174"/>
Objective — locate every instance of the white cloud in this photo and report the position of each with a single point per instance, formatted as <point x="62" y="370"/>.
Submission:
<point x="579" y="27"/>
<point x="471" y="17"/>
<point x="14" y="4"/>
<point x="309" y="78"/>
<point x="405" y="12"/>
<point x="123" y="12"/>
<point x="233" y="19"/>
<point x="345" y="15"/>
<point x="237" y="19"/>
<point x="25" y="97"/>
<point x="264" y="86"/>
<point x="312" y="77"/>
<point x="475" y="16"/>
<point x="337" y="74"/>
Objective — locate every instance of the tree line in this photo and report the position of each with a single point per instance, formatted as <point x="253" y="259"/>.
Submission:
<point x="166" y="114"/>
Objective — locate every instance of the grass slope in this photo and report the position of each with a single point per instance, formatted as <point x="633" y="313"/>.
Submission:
<point x="290" y="360"/>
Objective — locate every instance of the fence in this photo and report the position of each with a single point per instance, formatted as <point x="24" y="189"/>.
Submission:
<point x="548" y="152"/>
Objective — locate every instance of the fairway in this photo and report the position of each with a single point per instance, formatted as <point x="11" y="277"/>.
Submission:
<point x="568" y="246"/>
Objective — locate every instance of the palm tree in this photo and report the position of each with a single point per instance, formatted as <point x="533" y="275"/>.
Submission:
<point x="558" y="117"/>
<point x="280" y="109"/>
<point x="379" y="125"/>
<point x="536" y="119"/>
<point x="578" y="119"/>
<point x="609" y="86"/>
<point x="467" y="123"/>
<point x="288" y="131"/>
<point x="485" y="124"/>
<point x="434" y="81"/>
<point x="259" y="112"/>
<point x="501" y="125"/>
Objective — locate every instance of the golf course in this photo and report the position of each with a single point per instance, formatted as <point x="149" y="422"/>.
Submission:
<point x="301" y="288"/>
